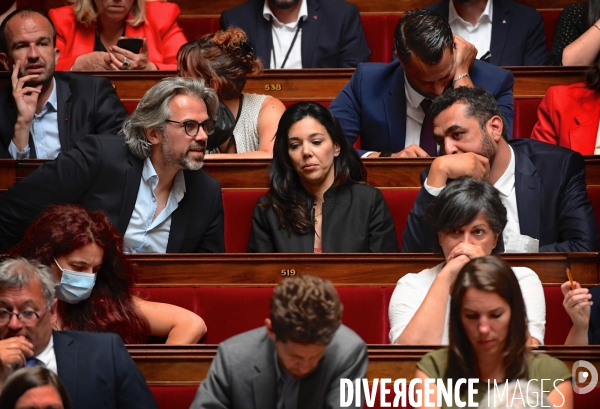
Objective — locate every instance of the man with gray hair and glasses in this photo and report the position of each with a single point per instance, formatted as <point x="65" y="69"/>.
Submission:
<point x="95" y="368"/>
<point x="149" y="183"/>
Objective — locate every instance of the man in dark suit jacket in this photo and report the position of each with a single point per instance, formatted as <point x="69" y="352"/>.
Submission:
<point x="374" y="103"/>
<point x="40" y="105"/>
<point x="296" y="360"/>
<point x="541" y="185"/>
<point x="149" y="184"/>
<point x="95" y="368"/>
<point x="332" y="35"/>
<point x="517" y="31"/>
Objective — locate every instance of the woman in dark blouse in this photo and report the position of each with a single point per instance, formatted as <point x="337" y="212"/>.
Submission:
<point x="318" y="200"/>
<point x="576" y="35"/>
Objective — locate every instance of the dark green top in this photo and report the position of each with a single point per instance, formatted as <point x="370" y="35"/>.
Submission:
<point x="539" y="366"/>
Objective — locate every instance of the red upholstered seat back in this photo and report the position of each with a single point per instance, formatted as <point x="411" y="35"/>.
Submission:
<point x="174" y="397"/>
<point x="379" y="31"/>
<point x="525" y="116"/>
<point x="130" y="106"/>
<point x="324" y="103"/>
<point x="196" y="26"/>
<point x="400" y="202"/>
<point x="549" y="17"/>
<point x="365" y="311"/>
<point x="238" y="206"/>
<point x="558" y="323"/>
<point x="231" y="311"/>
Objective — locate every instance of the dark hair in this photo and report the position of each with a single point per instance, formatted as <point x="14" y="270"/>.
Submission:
<point x="592" y="76"/>
<point x="491" y="274"/>
<point x="25" y="379"/>
<point x="306" y="309"/>
<point x="225" y="56"/>
<point x="481" y="105"/>
<point x="25" y="11"/>
<point x="423" y="33"/>
<point x="289" y="199"/>
<point x="62" y="229"/>
<point x="592" y="13"/>
<point x="461" y="201"/>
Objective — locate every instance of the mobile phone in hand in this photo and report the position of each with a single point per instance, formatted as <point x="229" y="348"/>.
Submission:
<point x="133" y="44"/>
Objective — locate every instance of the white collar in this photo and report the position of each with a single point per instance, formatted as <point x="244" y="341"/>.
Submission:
<point x="413" y="97"/>
<point x="487" y="12"/>
<point x="268" y="14"/>
<point x="506" y="183"/>
<point x="46" y="355"/>
<point x="148" y="172"/>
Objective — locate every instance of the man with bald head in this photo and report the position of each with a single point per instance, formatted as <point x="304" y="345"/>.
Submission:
<point x="45" y="113"/>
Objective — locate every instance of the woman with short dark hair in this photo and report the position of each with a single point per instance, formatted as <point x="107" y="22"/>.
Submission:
<point x="318" y="200"/>
<point x="488" y="338"/>
<point x="468" y="217"/>
<point x="33" y="386"/>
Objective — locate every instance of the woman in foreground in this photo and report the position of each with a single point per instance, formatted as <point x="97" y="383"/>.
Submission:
<point x="488" y="338"/>
<point x="95" y="280"/>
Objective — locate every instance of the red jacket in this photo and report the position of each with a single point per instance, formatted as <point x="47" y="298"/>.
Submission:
<point x="568" y="116"/>
<point x="163" y="35"/>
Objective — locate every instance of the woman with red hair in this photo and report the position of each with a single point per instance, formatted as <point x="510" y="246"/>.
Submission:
<point x="85" y="252"/>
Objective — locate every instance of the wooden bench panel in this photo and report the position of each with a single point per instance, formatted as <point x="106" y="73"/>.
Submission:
<point x="358" y="269"/>
<point x="188" y="365"/>
<point x="324" y="84"/>
<point x="253" y="173"/>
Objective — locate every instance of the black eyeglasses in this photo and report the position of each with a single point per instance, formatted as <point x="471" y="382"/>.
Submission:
<point x="27" y="317"/>
<point x="193" y="127"/>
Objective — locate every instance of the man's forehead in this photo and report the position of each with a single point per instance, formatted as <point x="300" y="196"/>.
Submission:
<point x="31" y="292"/>
<point x="27" y="23"/>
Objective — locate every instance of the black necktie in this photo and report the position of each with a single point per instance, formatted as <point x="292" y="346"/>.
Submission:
<point x="427" y="142"/>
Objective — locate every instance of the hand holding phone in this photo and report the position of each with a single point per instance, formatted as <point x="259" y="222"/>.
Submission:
<point x="132" y="44"/>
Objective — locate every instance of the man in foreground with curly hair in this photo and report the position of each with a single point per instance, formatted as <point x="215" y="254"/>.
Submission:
<point x="295" y="361"/>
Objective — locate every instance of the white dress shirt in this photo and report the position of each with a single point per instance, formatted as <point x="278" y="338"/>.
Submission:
<point x="414" y="114"/>
<point x="283" y="35"/>
<point x="411" y="290"/>
<point x="48" y="357"/>
<point x="44" y="130"/>
<point x="480" y="34"/>
<point x="514" y="241"/>
<point x="144" y="235"/>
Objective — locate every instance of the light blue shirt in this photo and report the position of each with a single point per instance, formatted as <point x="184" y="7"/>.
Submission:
<point x="144" y="235"/>
<point x="44" y="130"/>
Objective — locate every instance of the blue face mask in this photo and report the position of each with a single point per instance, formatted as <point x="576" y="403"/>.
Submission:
<point x="74" y="286"/>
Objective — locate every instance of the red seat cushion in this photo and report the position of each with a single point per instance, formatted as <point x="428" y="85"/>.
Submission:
<point x="196" y="26"/>
<point x="238" y="206"/>
<point x="365" y="311"/>
<point x="379" y="31"/>
<point x="525" y="116"/>
<point x="400" y="202"/>
<point x="172" y="397"/>
<point x="558" y="323"/>
<point x="231" y="311"/>
<point x="549" y="17"/>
